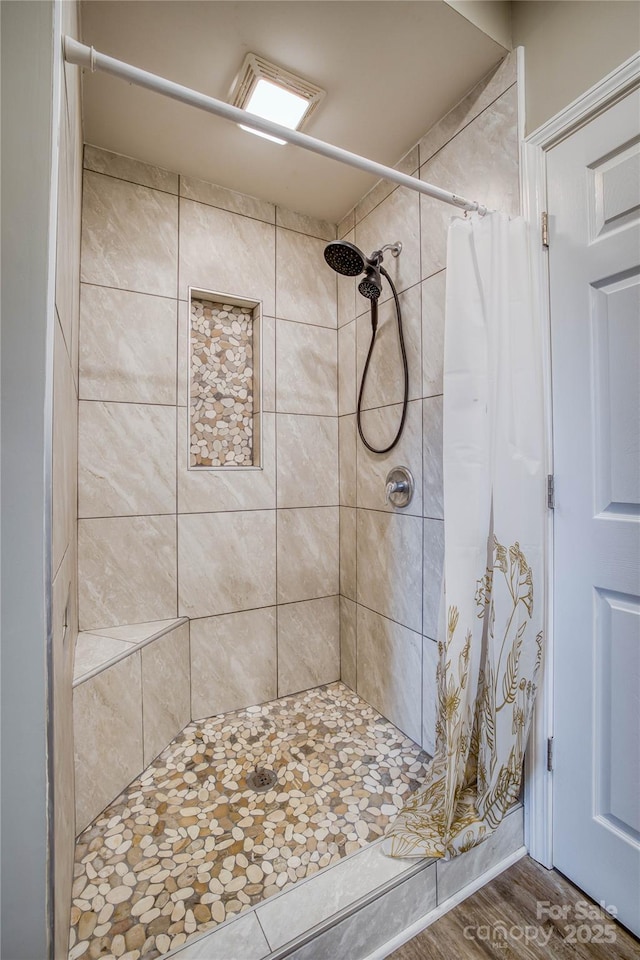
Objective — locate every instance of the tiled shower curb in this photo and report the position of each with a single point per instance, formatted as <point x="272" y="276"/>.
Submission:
<point x="376" y="922"/>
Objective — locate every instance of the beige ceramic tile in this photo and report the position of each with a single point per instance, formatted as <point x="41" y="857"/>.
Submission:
<point x="107" y="719"/>
<point x="268" y="346"/>
<point x="129" y="236"/>
<point x="242" y="939"/>
<point x="389" y="566"/>
<point x="304" y="224"/>
<point x="65" y="627"/>
<point x="432" y="469"/>
<point x="383" y="188"/>
<point x="334" y="889"/>
<point x="367" y="931"/>
<point x="226" y="253"/>
<point x="306" y="286"/>
<point x="348" y="552"/>
<point x="127" y="570"/>
<point x="124" y="168"/>
<point x="307" y="369"/>
<point x="385" y="380"/>
<point x="233" y="661"/>
<point x="458" y="872"/>
<point x="433" y="304"/>
<point x="308" y="644"/>
<point x="127" y="346"/>
<point x="433" y="570"/>
<point x="347" y="224"/>
<point x="209" y="491"/>
<point x="307" y="461"/>
<point x="348" y="614"/>
<point x="65" y="452"/>
<point x="390" y="670"/>
<point x="429" y="694"/>
<point x="226" y="562"/>
<point x="127" y="455"/>
<point x="347" y="292"/>
<point x="489" y="89"/>
<point x="396" y="218"/>
<point x="347" y="387"/>
<point x="138" y="632"/>
<point x="68" y="232"/>
<point x="308" y="559"/>
<point x="94" y="651"/>
<point x="482" y="163"/>
<point x="166" y="678"/>
<point x="380" y="427"/>
<point x="348" y="439"/>
<point x="230" y="200"/>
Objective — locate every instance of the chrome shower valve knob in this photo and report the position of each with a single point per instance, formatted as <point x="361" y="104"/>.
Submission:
<point x="399" y="487"/>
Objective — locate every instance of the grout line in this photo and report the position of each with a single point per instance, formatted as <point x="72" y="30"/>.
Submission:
<point x="130" y="403"/>
<point x="275" y="430"/>
<point x="144" y="759"/>
<point x="135" y="183"/>
<point x="384" y="616"/>
<point x="185" y="413"/>
<point x="422" y="472"/>
<point x="262" y="930"/>
<point x="214" y="513"/>
<point x="303" y="323"/>
<point x="138" y="293"/>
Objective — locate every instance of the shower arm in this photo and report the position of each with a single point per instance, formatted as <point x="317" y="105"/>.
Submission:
<point x="85" y="56"/>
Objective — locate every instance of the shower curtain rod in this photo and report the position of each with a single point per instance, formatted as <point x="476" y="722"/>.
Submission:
<point x="86" y="56"/>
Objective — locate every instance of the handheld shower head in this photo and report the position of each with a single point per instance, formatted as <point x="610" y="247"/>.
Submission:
<point x="345" y="258"/>
<point x="371" y="284"/>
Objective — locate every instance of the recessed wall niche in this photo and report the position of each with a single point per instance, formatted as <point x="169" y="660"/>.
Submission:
<point x="225" y="388"/>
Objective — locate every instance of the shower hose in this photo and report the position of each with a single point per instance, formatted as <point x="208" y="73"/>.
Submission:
<point x="405" y="368"/>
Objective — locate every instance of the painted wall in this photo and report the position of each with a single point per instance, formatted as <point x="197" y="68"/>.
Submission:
<point x="28" y="158"/>
<point x="570" y="46"/>
<point x="391" y="559"/>
<point x="250" y="557"/>
<point x="493" y="17"/>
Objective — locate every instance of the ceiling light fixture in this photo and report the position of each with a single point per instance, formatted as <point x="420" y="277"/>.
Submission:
<point x="270" y="91"/>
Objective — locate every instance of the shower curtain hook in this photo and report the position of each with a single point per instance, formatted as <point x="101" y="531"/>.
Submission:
<point x="92" y="60"/>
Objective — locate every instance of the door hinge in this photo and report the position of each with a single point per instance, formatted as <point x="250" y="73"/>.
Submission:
<point x="550" y="753"/>
<point x="551" y="492"/>
<point x="545" y="228"/>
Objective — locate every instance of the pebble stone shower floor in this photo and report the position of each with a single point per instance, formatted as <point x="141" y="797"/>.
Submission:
<point x="188" y="844"/>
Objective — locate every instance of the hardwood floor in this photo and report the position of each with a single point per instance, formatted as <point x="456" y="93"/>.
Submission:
<point x="509" y="919"/>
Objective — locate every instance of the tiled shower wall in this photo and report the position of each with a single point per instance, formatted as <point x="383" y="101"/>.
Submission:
<point x="64" y="487"/>
<point x="250" y="556"/>
<point x="391" y="559"/>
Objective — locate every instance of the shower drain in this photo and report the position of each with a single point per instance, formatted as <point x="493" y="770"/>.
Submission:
<point x="262" y="780"/>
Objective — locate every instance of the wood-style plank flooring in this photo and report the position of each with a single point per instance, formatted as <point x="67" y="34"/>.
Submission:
<point x="501" y="921"/>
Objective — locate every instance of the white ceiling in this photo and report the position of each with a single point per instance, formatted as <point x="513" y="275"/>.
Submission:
<point x="390" y="69"/>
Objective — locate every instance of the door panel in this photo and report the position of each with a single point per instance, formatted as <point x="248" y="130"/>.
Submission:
<point x="594" y="269"/>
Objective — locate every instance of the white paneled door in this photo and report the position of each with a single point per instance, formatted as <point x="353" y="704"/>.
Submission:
<point x="594" y="263"/>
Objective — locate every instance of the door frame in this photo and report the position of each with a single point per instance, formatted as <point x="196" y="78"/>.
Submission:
<point x="615" y="86"/>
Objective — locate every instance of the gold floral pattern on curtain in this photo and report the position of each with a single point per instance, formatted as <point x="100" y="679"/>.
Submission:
<point x="490" y="648"/>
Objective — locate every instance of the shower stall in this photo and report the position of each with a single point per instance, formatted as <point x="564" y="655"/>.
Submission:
<point x="254" y="680"/>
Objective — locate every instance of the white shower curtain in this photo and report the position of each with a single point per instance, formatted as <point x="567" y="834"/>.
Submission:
<point x="490" y="640"/>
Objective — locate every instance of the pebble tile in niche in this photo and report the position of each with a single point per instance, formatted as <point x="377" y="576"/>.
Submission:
<point x="221" y="385"/>
<point x="188" y="844"/>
